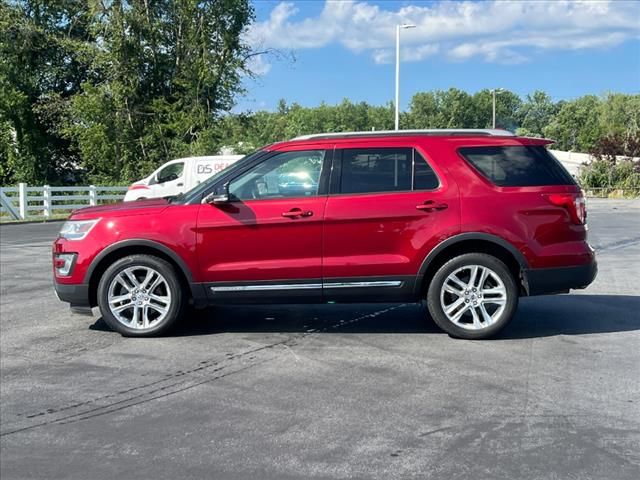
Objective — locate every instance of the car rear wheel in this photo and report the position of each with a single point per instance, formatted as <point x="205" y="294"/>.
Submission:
<point x="140" y="296"/>
<point x="472" y="296"/>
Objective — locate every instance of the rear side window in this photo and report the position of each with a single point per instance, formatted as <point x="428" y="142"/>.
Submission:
<point x="375" y="170"/>
<point x="372" y="170"/>
<point x="517" y="166"/>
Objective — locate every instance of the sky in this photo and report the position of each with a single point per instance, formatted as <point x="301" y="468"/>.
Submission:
<point x="335" y="49"/>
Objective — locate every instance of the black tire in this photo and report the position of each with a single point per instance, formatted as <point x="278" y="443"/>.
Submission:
<point x="164" y="268"/>
<point x="435" y="287"/>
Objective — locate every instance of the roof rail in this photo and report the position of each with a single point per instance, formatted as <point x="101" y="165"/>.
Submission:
<point x="487" y="132"/>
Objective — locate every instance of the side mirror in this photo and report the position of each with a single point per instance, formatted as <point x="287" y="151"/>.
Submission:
<point x="218" y="198"/>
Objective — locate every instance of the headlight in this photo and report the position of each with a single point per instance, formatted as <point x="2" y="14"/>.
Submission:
<point x="77" y="229"/>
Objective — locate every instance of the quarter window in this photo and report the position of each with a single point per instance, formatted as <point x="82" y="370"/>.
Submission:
<point x="287" y="174"/>
<point x="424" y="178"/>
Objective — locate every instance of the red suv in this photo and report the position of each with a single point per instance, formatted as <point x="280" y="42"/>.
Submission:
<point x="469" y="220"/>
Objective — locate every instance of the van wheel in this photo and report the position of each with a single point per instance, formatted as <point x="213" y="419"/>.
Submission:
<point x="472" y="296"/>
<point x="140" y="296"/>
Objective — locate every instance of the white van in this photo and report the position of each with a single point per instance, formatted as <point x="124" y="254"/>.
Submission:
<point x="178" y="176"/>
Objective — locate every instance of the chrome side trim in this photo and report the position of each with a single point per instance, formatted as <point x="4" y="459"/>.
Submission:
<point x="389" y="283"/>
<point x="257" y="288"/>
<point x="305" y="286"/>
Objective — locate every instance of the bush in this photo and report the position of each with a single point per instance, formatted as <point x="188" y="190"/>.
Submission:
<point x="621" y="175"/>
<point x="614" y="145"/>
<point x="616" y="166"/>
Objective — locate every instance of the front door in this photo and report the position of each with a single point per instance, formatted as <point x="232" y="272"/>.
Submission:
<point x="387" y="209"/>
<point x="266" y="243"/>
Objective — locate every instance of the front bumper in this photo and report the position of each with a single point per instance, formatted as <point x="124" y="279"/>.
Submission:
<point x="543" y="281"/>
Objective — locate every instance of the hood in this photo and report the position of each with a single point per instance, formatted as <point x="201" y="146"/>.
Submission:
<point x="140" y="183"/>
<point x="120" y="209"/>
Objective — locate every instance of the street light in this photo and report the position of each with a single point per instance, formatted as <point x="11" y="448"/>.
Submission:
<point x="495" y="92"/>
<point x="398" y="27"/>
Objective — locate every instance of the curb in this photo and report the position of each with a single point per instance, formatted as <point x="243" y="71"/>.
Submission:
<point x="28" y="222"/>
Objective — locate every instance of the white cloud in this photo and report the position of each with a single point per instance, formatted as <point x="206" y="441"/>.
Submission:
<point x="508" y="49"/>
<point x="497" y="31"/>
<point x="407" y="54"/>
<point x="258" y="65"/>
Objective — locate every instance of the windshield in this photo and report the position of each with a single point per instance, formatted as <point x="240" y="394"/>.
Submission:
<point x="197" y="191"/>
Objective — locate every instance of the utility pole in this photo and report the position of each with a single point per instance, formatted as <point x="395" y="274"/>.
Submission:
<point x="398" y="27"/>
<point x="494" y="92"/>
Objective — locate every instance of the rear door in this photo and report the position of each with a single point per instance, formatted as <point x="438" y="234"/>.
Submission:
<point x="388" y="207"/>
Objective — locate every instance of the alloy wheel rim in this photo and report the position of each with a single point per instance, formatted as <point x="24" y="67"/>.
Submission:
<point x="473" y="297"/>
<point x="139" y="297"/>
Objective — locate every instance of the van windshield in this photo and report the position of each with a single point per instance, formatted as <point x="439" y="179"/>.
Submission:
<point x="197" y="191"/>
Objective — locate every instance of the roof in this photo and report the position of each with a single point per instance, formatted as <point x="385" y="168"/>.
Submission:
<point x="484" y="132"/>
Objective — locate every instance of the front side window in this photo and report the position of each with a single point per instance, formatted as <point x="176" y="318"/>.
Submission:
<point x="285" y="175"/>
<point x="170" y="172"/>
<point x="371" y="170"/>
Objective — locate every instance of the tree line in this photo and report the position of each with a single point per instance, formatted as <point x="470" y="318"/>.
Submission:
<point x="582" y="124"/>
<point x="106" y="91"/>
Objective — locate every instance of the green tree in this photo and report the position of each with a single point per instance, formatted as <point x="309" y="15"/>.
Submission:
<point x="161" y="75"/>
<point x="620" y="114"/>
<point x="508" y="105"/>
<point x="41" y="67"/>
<point x="536" y="113"/>
<point x="455" y="108"/>
<point x="424" y="111"/>
<point x="114" y="87"/>
<point x="577" y="124"/>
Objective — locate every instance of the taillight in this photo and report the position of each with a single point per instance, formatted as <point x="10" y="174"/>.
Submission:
<point x="581" y="208"/>
<point x="574" y="204"/>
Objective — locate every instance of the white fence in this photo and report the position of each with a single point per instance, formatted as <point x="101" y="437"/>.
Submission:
<point x="572" y="161"/>
<point x="23" y="202"/>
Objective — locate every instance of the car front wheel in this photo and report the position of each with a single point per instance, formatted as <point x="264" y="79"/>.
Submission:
<point x="472" y="296"/>
<point x="140" y="296"/>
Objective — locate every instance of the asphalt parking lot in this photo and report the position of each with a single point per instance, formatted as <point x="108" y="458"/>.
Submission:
<point x="324" y="392"/>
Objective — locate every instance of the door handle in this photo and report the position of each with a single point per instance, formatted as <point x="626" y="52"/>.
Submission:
<point x="296" y="212"/>
<point x="431" y="206"/>
<point x="180" y="185"/>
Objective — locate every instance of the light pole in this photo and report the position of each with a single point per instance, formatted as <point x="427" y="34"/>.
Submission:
<point x="398" y="27"/>
<point x="495" y="92"/>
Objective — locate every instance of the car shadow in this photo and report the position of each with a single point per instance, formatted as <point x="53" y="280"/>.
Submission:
<point x="578" y="314"/>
